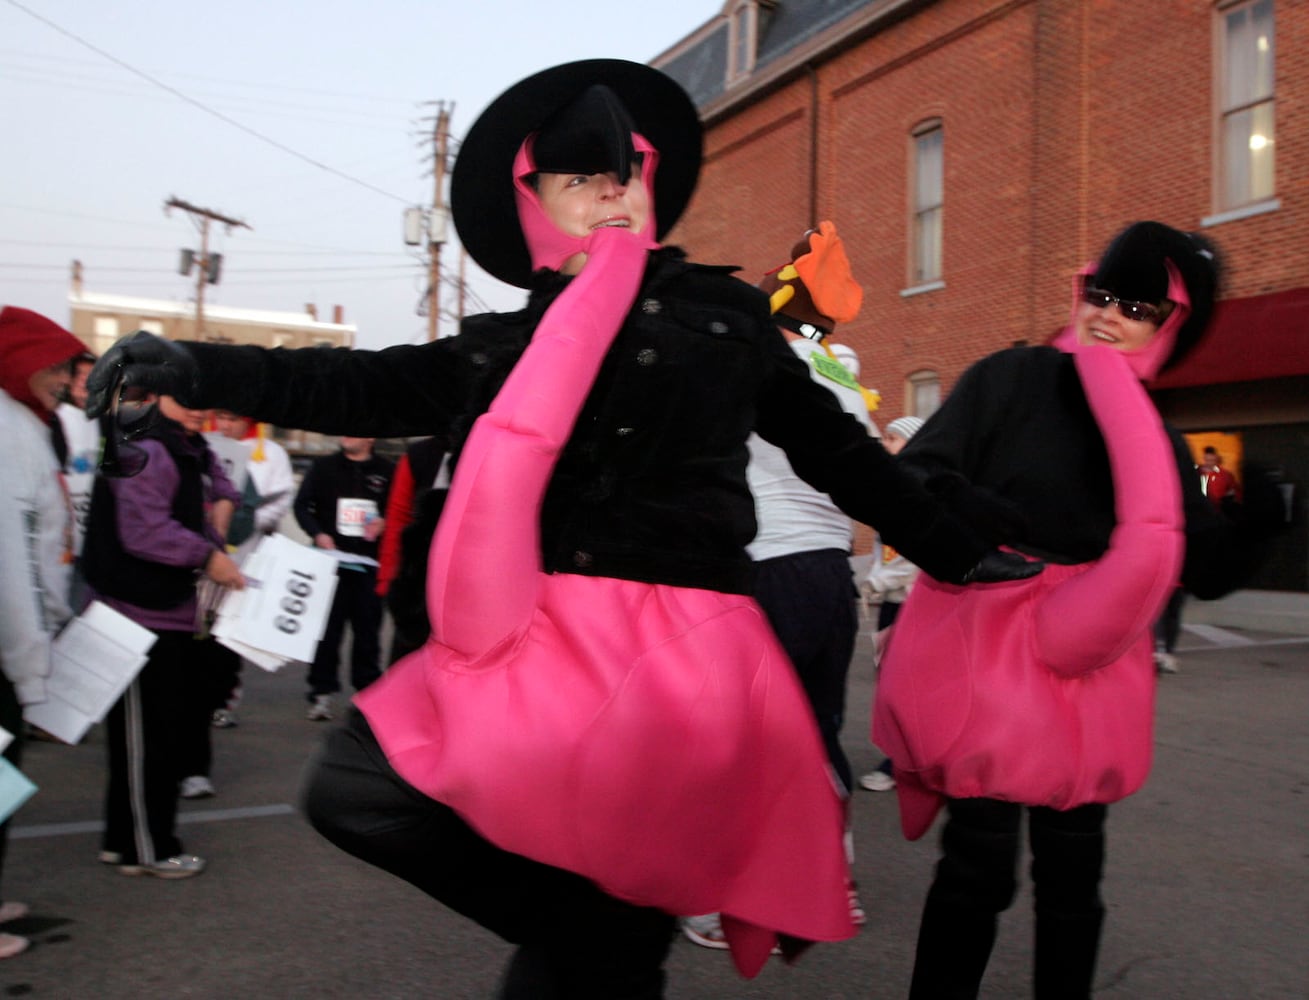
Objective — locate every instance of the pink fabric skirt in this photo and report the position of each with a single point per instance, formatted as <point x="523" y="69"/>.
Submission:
<point x="967" y="706"/>
<point x="668" y="754"/>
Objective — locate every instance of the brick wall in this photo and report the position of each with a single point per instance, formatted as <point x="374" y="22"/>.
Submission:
<point x="1063" y="120"/>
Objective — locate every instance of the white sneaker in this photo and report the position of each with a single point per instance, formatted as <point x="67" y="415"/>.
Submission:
<point x="223" y="718"/>
<point x="197" y="787"/>
<point x="705" y="930"/>
<point x="1165" y="663"/>
<point x="321" y="709"/>
<point x="877" y="781"/>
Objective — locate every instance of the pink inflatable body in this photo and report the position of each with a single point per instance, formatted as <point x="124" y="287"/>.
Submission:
<point x="651" y="738"/>
<point x="1042" y="691"/>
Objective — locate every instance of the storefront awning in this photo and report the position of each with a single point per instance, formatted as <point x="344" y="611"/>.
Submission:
<point x="1261" y="337"/>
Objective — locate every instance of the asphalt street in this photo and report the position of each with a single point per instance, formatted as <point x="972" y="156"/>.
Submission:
<point x="1207" y="882"/>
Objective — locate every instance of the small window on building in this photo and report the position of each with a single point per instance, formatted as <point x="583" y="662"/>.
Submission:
<point x="105" y="326"/>
<point x="928" y="197"/>
<point x="1245" y="86"/>
<point x="924" y="395"/>
<point x="745" y="25"/>
<point x="154" y="326"/>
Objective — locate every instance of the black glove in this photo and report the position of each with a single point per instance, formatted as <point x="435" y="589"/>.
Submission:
<point x="999" y="567"/>
<point x="147" y="361"/>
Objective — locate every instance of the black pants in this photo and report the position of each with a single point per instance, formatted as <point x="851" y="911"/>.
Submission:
<point x="213" y="670"/>
<point x="811" y="603"/>
<point x="975" y="881"/>
<point x="355" y="601"/>
<point x="152" y="733"/>
<point x="574" y="941"/>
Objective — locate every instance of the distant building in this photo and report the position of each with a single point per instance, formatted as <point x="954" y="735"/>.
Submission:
<point x="100" y="319"/>
<point x="976" y="153"/>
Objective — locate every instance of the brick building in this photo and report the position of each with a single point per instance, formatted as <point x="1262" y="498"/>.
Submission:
<point x="976" y="153"/>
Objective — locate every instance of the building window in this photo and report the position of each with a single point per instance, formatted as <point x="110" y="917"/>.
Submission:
<point x="924" y="393"/>
<point x="152" y="326"/>
<point x="105" y="326"/>
<point x="928" y="195"/>
<point x="1245" y="128"/>
<point x="745" y="25"/>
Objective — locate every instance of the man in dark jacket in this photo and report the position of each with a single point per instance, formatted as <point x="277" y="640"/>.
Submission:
<point x="340" y="506"/>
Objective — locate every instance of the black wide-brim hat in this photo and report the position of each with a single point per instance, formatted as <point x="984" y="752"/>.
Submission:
<point x="482" y="185"/>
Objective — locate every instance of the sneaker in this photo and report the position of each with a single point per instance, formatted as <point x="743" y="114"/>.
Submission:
<point x="12" y="944"/>
<point x="197" y="787"/>
<point x="877" y="781"/>
<point x="110" y="858"/>
<point x="705" y="930"/>
<point x="321" y="709"/>
<point x="178" y="866"/>
<point x="857" y="915"/>
<point x="223" y="718"/>
<point x="1165" y="663"/>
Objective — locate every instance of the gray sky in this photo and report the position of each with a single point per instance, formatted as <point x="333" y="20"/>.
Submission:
<point x="92" y="149"/>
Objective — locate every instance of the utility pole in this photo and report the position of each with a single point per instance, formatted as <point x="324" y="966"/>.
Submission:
<point x="208" y="271"/>
<point x="436" y="228"/>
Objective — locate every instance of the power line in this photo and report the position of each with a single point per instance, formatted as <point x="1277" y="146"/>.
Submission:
<point x="206" y="109"/>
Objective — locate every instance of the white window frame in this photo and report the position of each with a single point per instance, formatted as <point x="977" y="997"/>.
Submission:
<point x="742" y="39"/>
<point x="927" y="205"/>
<point x="923" y="393"/>
<point x="1246" y="116"/>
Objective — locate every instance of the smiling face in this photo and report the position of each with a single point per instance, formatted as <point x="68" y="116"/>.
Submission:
<point x="578" y="204"/>
<point x="1107" y="325"/>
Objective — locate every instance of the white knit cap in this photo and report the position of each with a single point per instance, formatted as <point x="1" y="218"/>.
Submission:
<point x="904" y="427"/>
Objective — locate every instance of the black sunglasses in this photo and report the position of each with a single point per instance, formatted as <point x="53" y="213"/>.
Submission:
<point x="1141" y="312"/>
<point x="132" y="412"/>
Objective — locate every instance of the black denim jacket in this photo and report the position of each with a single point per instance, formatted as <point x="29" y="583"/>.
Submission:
<point x="651" y="485"/>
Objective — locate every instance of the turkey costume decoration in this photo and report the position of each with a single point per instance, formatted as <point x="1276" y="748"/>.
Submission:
<point x="1041" y="692"/>
<point x="600" y="725"/>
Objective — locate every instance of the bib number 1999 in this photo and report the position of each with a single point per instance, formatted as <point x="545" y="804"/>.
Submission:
<point x="294" y="604"/>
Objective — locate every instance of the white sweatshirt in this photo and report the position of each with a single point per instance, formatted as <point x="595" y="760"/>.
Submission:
<point x="36" y="534"/>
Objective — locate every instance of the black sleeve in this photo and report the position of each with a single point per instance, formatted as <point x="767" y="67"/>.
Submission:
<point x="402" y="391"/>
<point x="945" y="453"/>
<point x="306" y="507"/>
<point x="831" y="450"/>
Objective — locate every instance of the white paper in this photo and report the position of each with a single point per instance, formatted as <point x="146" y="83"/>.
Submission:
<point x="282" y="612"/>
<point x="92" y="662"/>
<point x="6" y="737"/>
<point x="350" y="560"/>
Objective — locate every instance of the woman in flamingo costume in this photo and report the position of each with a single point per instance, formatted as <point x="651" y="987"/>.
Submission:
<point x="602" y="730"/>
<point x="1040" y="693"/>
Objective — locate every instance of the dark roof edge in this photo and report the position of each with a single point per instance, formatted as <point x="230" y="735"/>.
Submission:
<point x="877" y="16"/>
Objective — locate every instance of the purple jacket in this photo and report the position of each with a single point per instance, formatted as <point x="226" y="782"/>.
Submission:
<point x="148" y="529"/>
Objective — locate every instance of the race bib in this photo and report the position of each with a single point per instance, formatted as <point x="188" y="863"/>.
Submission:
<point x="352" y="513"/>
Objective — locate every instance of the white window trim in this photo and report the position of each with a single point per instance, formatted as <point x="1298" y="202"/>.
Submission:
<point x="1244" y="212"/>
<point x="927" y="286"/>
<point x="924" y="127"/>
<point x="1221" y="9"/>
